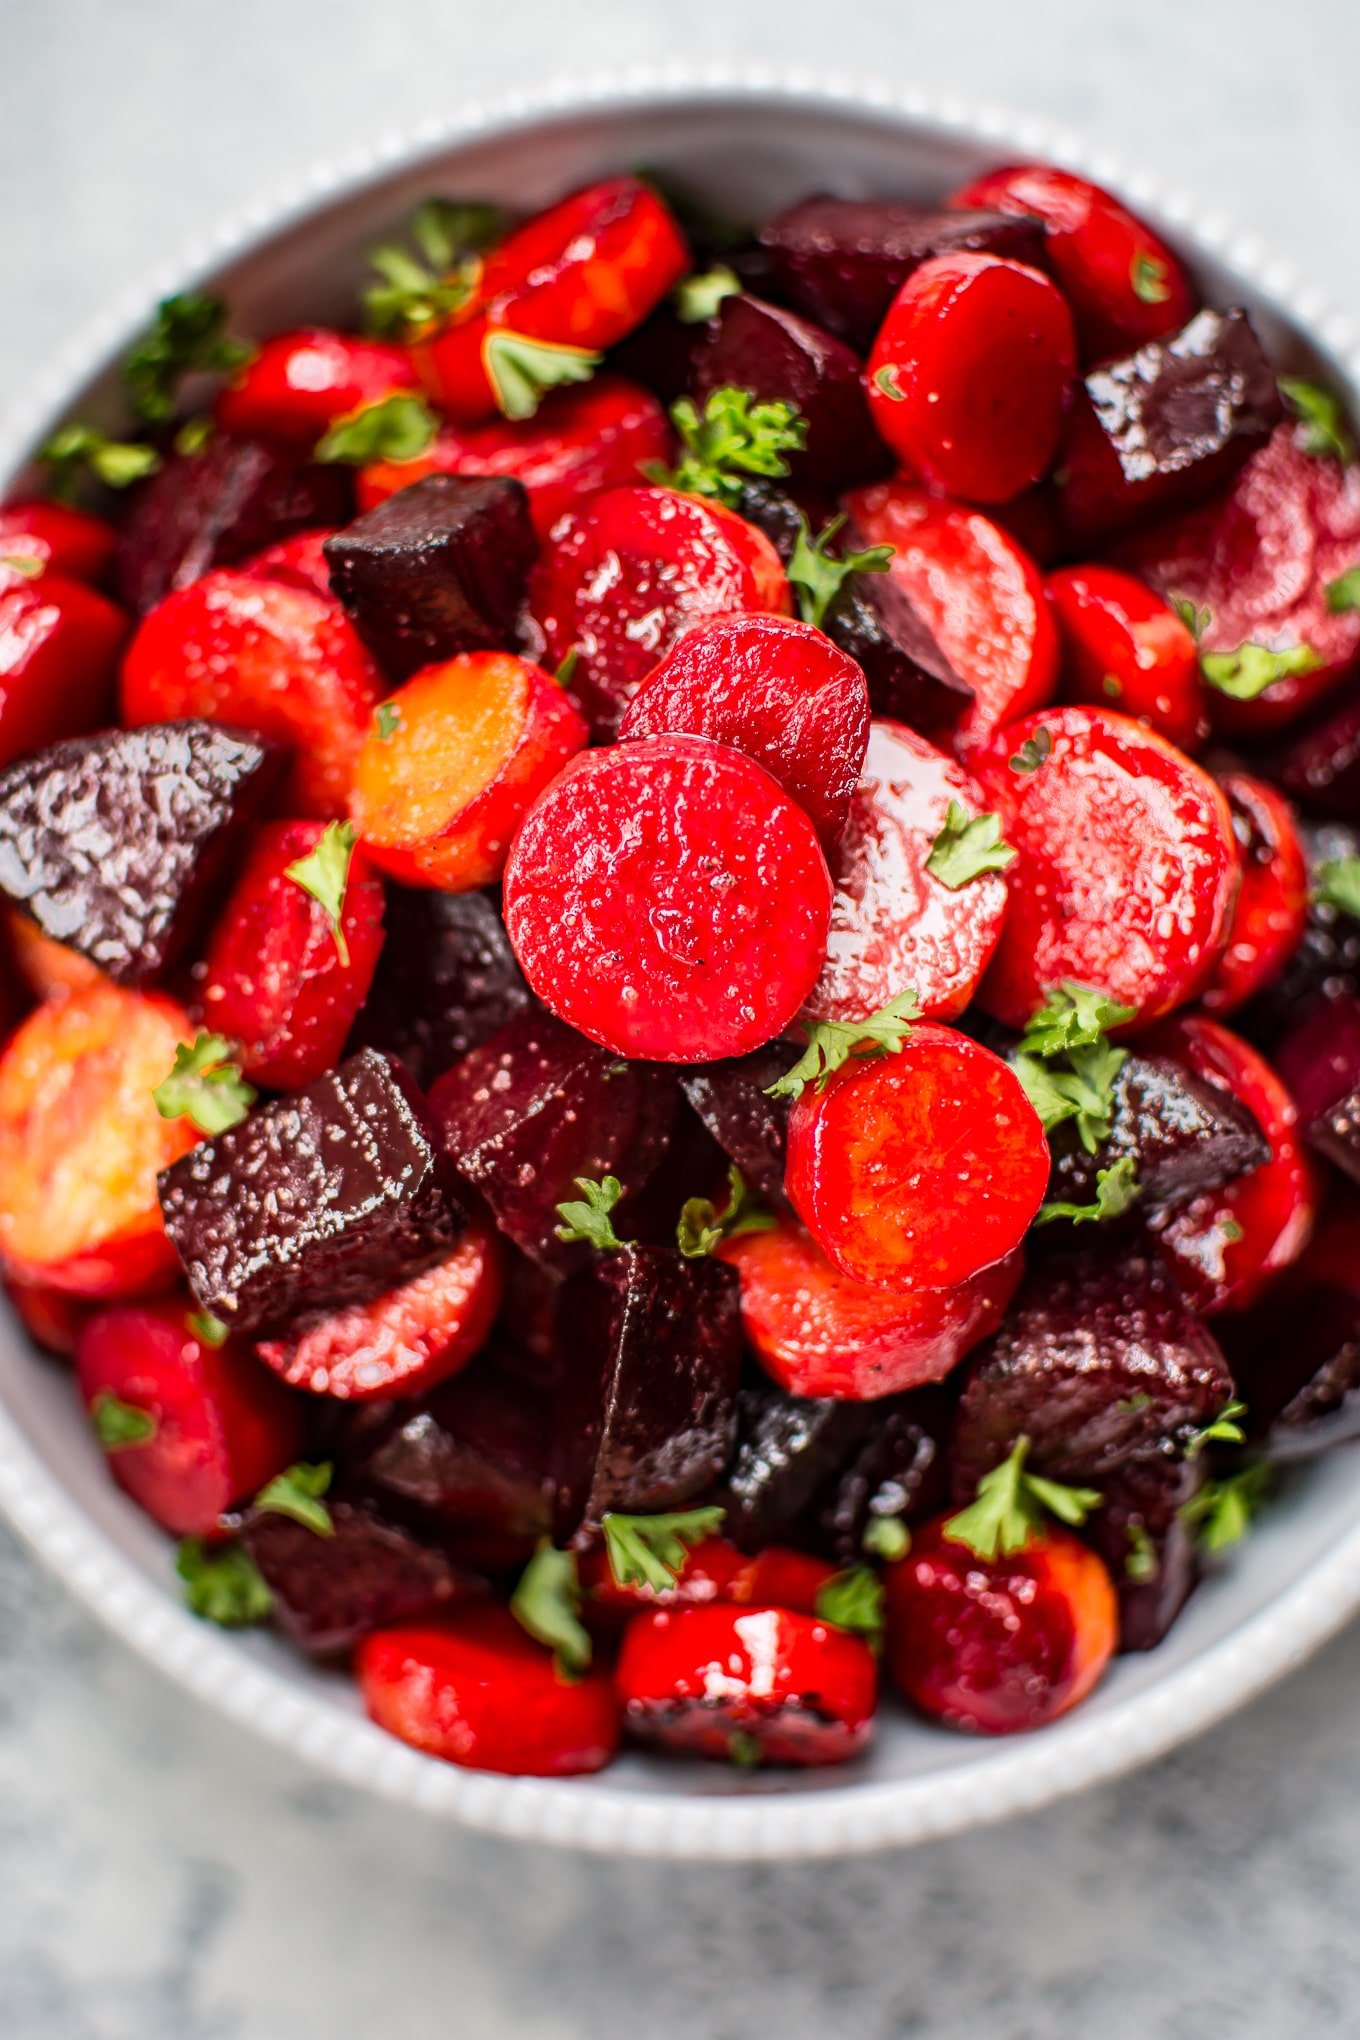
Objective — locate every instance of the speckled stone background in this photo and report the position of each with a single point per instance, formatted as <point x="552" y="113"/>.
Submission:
<point x="162" y="1877"/>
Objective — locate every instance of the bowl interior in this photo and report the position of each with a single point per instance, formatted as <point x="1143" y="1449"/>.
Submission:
<point x="745" y="153"/>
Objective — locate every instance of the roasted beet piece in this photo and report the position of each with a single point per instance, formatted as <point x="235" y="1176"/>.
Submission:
<point x="896" y="1471"/>
<point x="1327" y="959"/>
<point x="751" y="1129"/>
<point x="1100" y="1361"/>
<point x="776" y="355"/>
<point x="647" y="1409"/>
<point x="843" y="260"/>
<point x="1321" y="765"/>
<point x="1166" y="426"/>
<point x="209" y="509"/>
<point x="115" y="843"/>
<point x="789" y="1449"/>
<point x="1296" y="1354"/>
<point x="1319" y="1060"/>
<point x="447" y="980"/>
<point x="323" y="1198"/>
<point x="330" y="1591"/>
<point x="1183" y="1135"/>
<point x="537" y="1106"/>
<point x="438" y="569"/>
<point x="1148" y="1546"/>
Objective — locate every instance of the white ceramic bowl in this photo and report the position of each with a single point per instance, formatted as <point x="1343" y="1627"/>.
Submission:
<point x="750" y="144"/>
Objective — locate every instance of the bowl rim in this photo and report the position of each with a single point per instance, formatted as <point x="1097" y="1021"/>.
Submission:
<point x="989" y="1781"/>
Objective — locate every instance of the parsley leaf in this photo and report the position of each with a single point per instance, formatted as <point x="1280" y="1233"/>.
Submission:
<point x="400" y="427"/>
<point x="1116" y="1189"/>
<point x="734" y="437"/>
<point x="411" y="294"/>
<point x="745" y="1750"/>
<point x="853" y="1600"/>
<point x="204" y="1085"/>
<point x="702" y="1228"/>
<point x="1033" y="751"/>
<point x="1224" y="1430"/>
<point x="223" y="1584"/>
<point x="566" y="672"/>
<point x="1337" y="884"/>
<point x="650" y="1551"/>
<point x="1066" y="1066"/>
<point x="1196" y="620"/>
<point x="324" y="873"/>
<point x="1326" y="428"/>
<point x="387" y="721"/>
<point x="967" y="847"/>
<point x="1150" y="278"/>
<point x="886" y="1537"/>
<point x="193" y="435"/>
<point x="1223" y="1510"/>
<point x="118" y="1424"/>
<point x="1343" y="594"/>
<point x="1011" y="1505"/>
<point x="830" y="1043"/>
<point x="297" y="1493"/>
<point x="697" y="298"/>
<point x="817" y="575"/>
<point x="521" y="371"/>
<point x="547" y="1602"/>
<point x="25" y="564"/>
<point x="1071" y="1016"/>
<point x="115" y="462"/>
<point x="885" y="379"/>
<point x="1245" y="674"/>
<point x="188" y="335"/>
<point x="207" y="1329"/>
<point x="587" y="1217"/>
<point x="1141" y="1563"/>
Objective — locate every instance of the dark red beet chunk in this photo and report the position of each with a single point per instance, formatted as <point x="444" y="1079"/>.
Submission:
<point x="114" y="844"/>
<point x="447" y="980"/>
<point x="537" y="1106"/>
<point x="751" y="1129"/>
<point x="1319" y="1061"/>
<point x="897" y="1472"/>
<point x="647" y="1412"/>
<point x="1296" y="1354"/>
<point x="1100" y="1360"/>
<point x="843" y="260"/>
<point x="788" y="1449"/>
<point x="217" y="506"/>
<point x="438" y="569"/>
<point x="1166" y="426"/>
<point x="1321" y="765"/>
<point x="330" y="1591"/>
<point x="1327" y="959"/>
<point x="776" y="355"/>
<point x="320" y="1199"/>
<point x="1150" y="1549"/>
<point x="1182" y="1134"/>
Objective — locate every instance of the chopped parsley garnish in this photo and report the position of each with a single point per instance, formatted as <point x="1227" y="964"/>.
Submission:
<point x="205" y="1085"/>
<point x="412" y="293"/>
<point x="547" y="1602"/>
<point x="23" y="563"/>
<point x="1141" y="1563"/>
<point x="1116" y="1189"/>
<point x="297" y="1493"/>
<point x="1343" y="594"/>
<point x="118" y="1424"/>
<point x="734" y="437"/>
<point x="188" y="336"/>
<point x="1244" y="675"/>
<point x="744" y="1750"/>
<point x="967" y="846"/>
<point x="651" y="1551"/>
<point x="1150" y="278"/>
<point x="1337" y="884"/>
<point x="587" y="1217"/>
<point x="1322" y="415"/>
<point x="703" y="1228"/>
<point x="324" y="873"/>
<point x="193" y="435"/>
<point x="399" y="427"/>
<point x="566" y="672"/>
<point x="1224" y="1430"/>
<point x="1066" y="1066"/>
<point x="387" y="721"/>
<point x="1223" y="1510"/>
<point x="697" y="298"/>
<point x="521" y="371"/>
<point x="223" y="1584"/>
<point x="1033" y="752"/>
<point x="207" y="1329"/>
<point x="1196" y="620"/>
<point x="1012" y="1504"/>
<point x="853" y="1600"/>
<point x="885" y="379"/>
<point x="115" y="462"/>
<point x="818" y="575"/>
<point x="886" y="1537"/>
<point x="830" y="1043"/>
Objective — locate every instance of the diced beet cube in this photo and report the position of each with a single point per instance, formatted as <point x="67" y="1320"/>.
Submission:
<point x="537" y="1106"/>
<point x="438" y="569"/>
<point x="1320" y="766"/>
<point x="447" y="980"/>
<point x="1147" y="1544"/>
<point x="476" y="1457"/>
<point x="1100" y="1360"/>
<point x="788" y="1449"/>
<point x="211" y="508"/>
<point x="897" y="1471"/>
<point x="751" y="1129"/>
<point x="647" y="1410"/>
<point x="1166" y="426"/>
<point x="1183" y="1136"/>
<point x="1319" y="1061"/>
<point x="1296" y="1354"/>
<point x="1326" y="962"/>
<point x="843" y="260"/>
<point x="316" y="1200"/>
<point x="114" y="844"/>
<point x="778" y="356"/>
<point x="369" y="1573"/>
